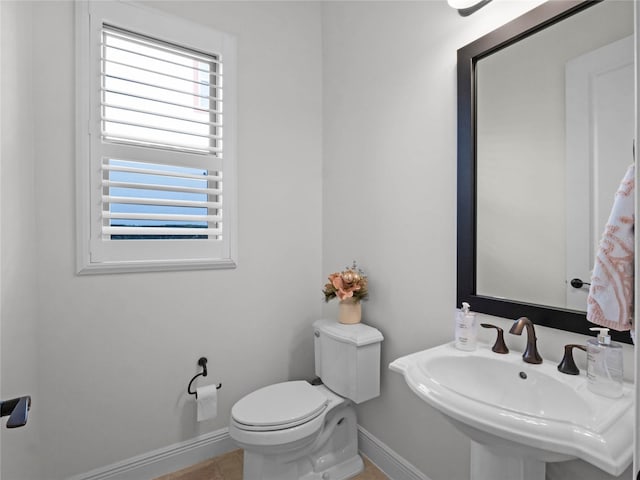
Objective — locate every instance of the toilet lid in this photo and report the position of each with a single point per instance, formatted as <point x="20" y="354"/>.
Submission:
<point x="282" y="405"/>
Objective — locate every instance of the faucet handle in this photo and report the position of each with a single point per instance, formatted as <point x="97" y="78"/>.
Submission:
<point x="499" y="346"/>
<point x="567" y="365"/>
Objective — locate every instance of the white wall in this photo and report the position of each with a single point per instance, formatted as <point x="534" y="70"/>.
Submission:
<point x="115" y="352"/>
<point x="19" y="238"/>
<point x="108" y="357"/>
<point x="389" y="182"/>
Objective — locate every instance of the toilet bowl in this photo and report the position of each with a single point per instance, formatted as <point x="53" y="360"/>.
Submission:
<point x="298" y="431"/>
<point x="289" y="439"/>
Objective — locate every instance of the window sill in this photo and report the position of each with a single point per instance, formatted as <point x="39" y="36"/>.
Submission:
<point x="156" y="266"/>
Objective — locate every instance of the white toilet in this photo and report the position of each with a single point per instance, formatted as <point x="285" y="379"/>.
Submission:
<point x="297" y="431"/>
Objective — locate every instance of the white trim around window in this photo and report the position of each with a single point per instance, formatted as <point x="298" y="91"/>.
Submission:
<point x="155" y="160"/>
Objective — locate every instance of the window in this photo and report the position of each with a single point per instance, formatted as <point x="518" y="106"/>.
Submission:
<point x="155" y="142"/>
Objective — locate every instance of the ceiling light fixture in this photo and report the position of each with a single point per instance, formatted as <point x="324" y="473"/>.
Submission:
<point x="467" y="7"/>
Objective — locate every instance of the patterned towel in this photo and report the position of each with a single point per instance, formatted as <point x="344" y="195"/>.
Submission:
<point x="610" y="300"/>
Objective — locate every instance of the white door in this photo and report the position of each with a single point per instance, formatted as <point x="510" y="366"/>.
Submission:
<point x="600" y="128"/>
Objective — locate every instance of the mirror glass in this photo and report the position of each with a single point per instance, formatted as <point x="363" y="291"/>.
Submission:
<point x="526" y="219"/>
<point x="546" y="128"/>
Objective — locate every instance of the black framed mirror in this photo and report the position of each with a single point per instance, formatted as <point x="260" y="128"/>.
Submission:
<point x="546" y="17"/>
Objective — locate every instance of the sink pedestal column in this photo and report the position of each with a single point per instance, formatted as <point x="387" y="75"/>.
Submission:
<point x="487" y="465"/>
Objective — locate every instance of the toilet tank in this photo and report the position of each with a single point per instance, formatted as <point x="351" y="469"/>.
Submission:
<point x="348" y="358"/>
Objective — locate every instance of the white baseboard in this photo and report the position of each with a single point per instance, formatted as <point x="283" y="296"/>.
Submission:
<point x="184" y="454"/>
<point x="165" y="460"/>
<point x="392" y="465"/>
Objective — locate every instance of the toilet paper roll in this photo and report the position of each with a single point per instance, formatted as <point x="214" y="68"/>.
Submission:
<point x="207" y="402"/>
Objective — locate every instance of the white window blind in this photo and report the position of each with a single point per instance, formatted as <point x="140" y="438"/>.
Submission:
<point x="159" y="201"/>
<point x="156" y="169"/>
<point x="157" y="95"/>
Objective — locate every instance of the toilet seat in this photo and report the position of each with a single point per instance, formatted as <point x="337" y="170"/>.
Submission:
<point x="279" y="406"/>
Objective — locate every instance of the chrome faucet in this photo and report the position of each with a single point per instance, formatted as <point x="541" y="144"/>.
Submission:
<point x="530" y="354"/>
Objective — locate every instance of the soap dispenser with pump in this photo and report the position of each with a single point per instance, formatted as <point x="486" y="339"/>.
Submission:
<point x="604" y="365"/>
<point x="466" y="329"/>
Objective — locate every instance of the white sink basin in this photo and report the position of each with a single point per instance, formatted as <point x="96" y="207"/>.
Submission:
<point x="523" y="410"/>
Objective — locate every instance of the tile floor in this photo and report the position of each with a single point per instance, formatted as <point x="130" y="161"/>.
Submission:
<point x="229" y="467"/>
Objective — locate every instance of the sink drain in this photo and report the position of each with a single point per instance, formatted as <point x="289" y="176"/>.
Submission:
<point x="523" y="375"/>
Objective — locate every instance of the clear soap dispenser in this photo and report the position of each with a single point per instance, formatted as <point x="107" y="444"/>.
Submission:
<point x="604" y="365"/>
<point x="466" y="329"/>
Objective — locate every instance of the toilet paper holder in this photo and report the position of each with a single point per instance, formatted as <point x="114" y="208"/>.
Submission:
<point x="202" y="361"/>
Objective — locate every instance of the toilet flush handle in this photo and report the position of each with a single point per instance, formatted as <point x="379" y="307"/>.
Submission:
<point x="17" y="409"/>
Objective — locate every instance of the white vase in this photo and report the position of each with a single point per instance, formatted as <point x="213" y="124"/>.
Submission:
<point x="349" y="311"/>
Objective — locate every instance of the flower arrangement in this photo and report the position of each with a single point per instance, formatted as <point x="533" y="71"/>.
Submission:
<point x="350" y="283"/>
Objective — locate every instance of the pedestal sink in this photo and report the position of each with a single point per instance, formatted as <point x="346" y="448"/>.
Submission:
<point x="520" y="416"/>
